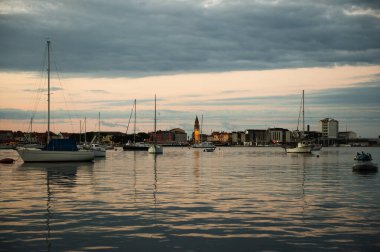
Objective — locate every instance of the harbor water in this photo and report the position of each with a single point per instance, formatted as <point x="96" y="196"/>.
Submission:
<point x="232" y="199"/>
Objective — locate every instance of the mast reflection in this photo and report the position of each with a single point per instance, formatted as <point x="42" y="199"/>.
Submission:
<point x="58" y="176"/>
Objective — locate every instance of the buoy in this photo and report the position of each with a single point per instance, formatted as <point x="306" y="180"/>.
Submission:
<point x="7" y="161"/>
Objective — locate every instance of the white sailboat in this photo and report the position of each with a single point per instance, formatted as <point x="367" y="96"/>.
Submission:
<point x="155" y="148"/>
<point x="135" y="146"/>
<point x="302" y="145"/>
<point x="206" y="146"/>
<point x="57" y="150"/>
<point x="99" y="151"/>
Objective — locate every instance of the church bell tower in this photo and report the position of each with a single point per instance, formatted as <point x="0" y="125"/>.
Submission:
<point x="196" y="134"/>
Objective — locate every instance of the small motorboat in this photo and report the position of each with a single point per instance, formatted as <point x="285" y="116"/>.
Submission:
<point x="363" y="162"/>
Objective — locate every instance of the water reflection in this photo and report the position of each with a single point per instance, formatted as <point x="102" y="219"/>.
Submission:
<point x="196" y="163"/>
<point x="365" y="173"/>
<point x="135" y="176"/>
<point x="235" y="199"/>
<point x="59" y="176"/>
<point x="155" y="180"/>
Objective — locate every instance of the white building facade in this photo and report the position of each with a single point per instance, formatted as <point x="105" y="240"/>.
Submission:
<point x="329" y="128"/>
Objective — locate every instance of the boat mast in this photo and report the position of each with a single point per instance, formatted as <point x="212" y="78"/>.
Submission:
<point x="99" y="129"/>
<point x="48" y="70"/>
<point x="155" y="119"/>
<point x="200" y="139"/>
<point x="80" y="131"/>
<point x="134" y="126"/>
<point x="303" y="110"/>
<point x="85" y="130"/>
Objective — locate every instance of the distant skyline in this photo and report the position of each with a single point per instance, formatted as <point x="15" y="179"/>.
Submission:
<point x="242" y="64"/>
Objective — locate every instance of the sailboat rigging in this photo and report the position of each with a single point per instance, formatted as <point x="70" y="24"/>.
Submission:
<point x="99" y="151"/>
<point x="155" y="148"/>
<point x="303" y="146"/>
<point x="134" y="146"/>
<point x="57" y="150"/>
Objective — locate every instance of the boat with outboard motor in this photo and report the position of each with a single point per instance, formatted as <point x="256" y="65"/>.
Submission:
<point x="363" y="162"/>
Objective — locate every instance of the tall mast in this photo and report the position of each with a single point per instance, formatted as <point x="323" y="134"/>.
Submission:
<point x="48" y="70"/>
<point x="155" y="119"/>
<point x="303" y="110"/>
<point x="134" y="126"/>
<point x="80" y="131"/>
<point x="85" y="130"/>
<point x="99" y="129"/>
<point x="200" y="139"/>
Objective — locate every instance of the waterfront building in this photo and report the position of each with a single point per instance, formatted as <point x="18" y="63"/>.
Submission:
<point x="169" y="137"/>
<point x="256" y="137"/>
<point x="219" y="137"/>
<point x="348" y="135"/>
<point x="329" y="128"/>
<point x="279" y="135"/>
<point x="162" y="137"/>
<point x="237" y="137"/>
<point x="180" y="136"/>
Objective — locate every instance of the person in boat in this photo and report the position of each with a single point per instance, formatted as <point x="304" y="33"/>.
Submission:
<point x="363" y="156"/>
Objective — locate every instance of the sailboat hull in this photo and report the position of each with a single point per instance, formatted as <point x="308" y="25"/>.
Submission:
<point x="100" y="153"/>
<point x="155" y="149"/>
<point x="204" y="145"/>
<point x="41" y="156"/>
<point x="136" y="147"/>
<point x="299" y="149"/>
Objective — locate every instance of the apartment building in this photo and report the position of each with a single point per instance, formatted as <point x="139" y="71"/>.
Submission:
<point x="329" y="128"/>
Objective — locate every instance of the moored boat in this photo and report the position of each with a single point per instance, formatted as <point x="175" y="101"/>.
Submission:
<point x="155" y="148"/>
<point x="57" y="150"/>
<point x="302" y="147"/>
<point x="316" y="147"/>
<point x="98" y="150"/>
<point x="136" y="146"/>
<point x="206" y="146"/>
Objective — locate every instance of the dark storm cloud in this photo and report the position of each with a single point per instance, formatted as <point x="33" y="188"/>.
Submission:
<point x="364" y="94"/>
<point x="157" y="37"/>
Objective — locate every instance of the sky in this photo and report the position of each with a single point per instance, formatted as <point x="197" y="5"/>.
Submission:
<point x="242" y="64"/>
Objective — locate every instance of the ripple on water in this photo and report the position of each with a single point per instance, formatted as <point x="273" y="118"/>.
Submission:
<point x="232" y="199"/>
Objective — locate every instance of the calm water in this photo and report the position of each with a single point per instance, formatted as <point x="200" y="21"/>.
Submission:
<point x="234" y="199"/>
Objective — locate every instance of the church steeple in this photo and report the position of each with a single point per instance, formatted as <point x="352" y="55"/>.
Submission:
<point x="196" y="124"/>
<point x="196" y="133"/>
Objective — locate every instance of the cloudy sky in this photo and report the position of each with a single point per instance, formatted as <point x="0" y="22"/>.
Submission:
<point x="241" y="63"/>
